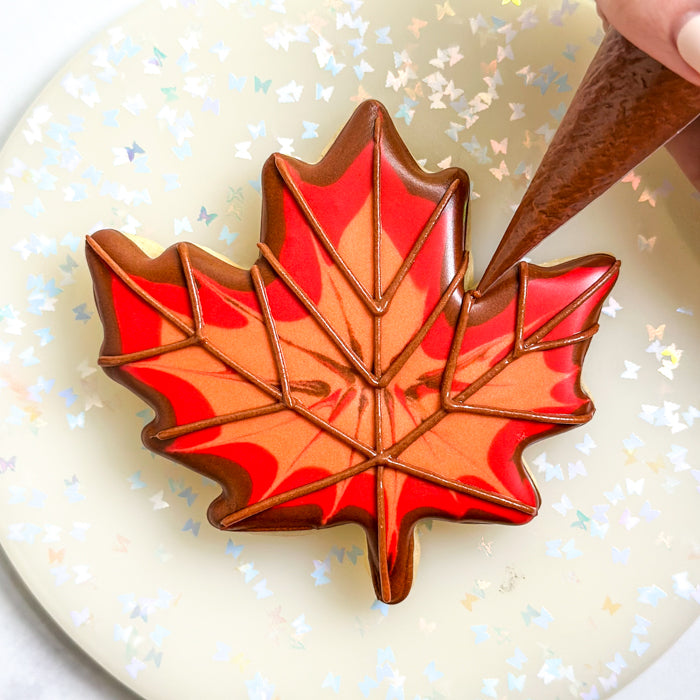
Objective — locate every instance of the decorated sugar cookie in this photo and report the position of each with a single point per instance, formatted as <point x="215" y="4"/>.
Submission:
<point x="348" y="376"/>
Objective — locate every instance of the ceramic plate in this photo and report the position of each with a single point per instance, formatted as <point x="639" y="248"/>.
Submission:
<point x="159" y="128"/>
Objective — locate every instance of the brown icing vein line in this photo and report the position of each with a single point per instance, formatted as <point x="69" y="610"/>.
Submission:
<point x="192" y="289"/>
<point x="309" y="305"/>
<point x="384" y="579"/>
<point x="220" y="355"/>
<point x="461" y="487"/>
<point x="401" y="359"/>
<point x="377" y="243"/>
<point x="126" y="358"/>
<point x="518" y="343"/>
<point x="457" y="339"/>
<point x="408" y="261"/>
<point x="380" y="500"/>
<point x="215" y="421"/>
<point x="535" y="416"/>
<point x="544" y="330"/>
<point x="299" y="408"/>
<point x="303" y="490"/>
<point x="561" y="342"/>
<point x="321" y="234"/>
<point x="272" y="335"/>
<point x="407" y="440"/>
<point x="376" y="210"/>
<point x="139" y="291"/>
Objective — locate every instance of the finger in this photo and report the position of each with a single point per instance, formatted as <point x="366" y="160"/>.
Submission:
<point x="603" y="18"/>
<point x="688" y="40"/>
<point x="669" y="31"/>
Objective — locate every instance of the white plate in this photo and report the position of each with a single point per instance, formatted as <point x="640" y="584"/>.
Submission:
<point x="163" y="609"/>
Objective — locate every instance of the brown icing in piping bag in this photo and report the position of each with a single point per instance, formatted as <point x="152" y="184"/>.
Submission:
<point x="626" y="107"/>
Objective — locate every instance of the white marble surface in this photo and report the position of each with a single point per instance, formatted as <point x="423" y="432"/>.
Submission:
<point x="37" y="660"/>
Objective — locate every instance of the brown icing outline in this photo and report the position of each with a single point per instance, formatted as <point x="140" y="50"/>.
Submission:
<point x="260" y="516"/>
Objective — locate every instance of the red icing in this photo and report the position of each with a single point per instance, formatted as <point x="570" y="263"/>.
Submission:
<point x="131" y="312"/>
<point x="218" y="306"/>
<point x="185" y="399"/>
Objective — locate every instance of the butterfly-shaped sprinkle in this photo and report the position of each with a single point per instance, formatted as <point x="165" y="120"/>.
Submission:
<point x="611" y="308"/>
<point x="233" y="549"/>
<point x="228" y="236"/>
<point x="516" y="682"/>
<point x="192" y="526"/>
<point x="586" y="445"/>
<point x="444" y="10"/>
<point x="620" y="556"/>
<point x="75" y="421"/>
<point x="331" y="681"/>
<point x="249" y="571"/>
<point x="188" y="495"/>
<point x="324" y="93"/>
<point x="257" y="130"/>
<point x="236" y="83"/>
<point x="576" y="468"/>
<point x="563" y="506"/>
<point x="611" y="607"/>
<point x="499" y="146"/>
<point x="211" y="105"/>
<point x="243" y="150"/>
<point x="581" y="521"/>
<point x="321" y="571"/>
<point x="310" y="130"/>
<point x="638" y="647"/>
<point x="133" y="150"/>
<point x="262" y="85"/>
<point x="353" y="553"/>
<point x="415" y="26"/>
<point x="383" y="35"/>
<point x="206" y="217"/>
<point x="7" y="465"/>
<point x="183" y="151"/>
<point x="158" y="502"/>
<point x="631" y="370"/>
<point x="628" y="520"/>
<point x="361" y="68"/>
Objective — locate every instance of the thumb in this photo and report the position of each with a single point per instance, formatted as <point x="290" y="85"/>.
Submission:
<point x="668" y="30"/>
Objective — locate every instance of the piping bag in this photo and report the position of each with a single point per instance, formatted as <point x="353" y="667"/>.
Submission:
<point x="626" y="107"/>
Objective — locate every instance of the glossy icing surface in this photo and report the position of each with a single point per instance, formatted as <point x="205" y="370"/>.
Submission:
<point x="347" y="377"/>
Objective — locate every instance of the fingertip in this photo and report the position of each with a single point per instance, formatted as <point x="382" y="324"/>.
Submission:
<point x="601" y="14"/>
<point x="688" y="41"/>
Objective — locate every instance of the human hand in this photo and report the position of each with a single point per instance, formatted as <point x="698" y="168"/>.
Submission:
<point x="669" y="31"/>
